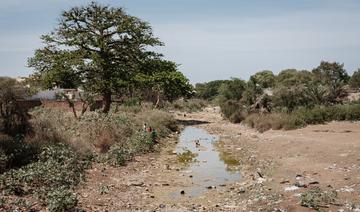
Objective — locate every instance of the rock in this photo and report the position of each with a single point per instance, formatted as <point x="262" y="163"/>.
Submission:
<point x="300" y="185"/>
<point x="137" y="184"/>
<point x="162" y="206"/>
<point x="299" y="177"/>
<point x="211" y="187"/>
<point x="284" y="181"/>
<point x="314" y="183"/>
<point x="241" y="190"/>
<point x="165" y="184"/>
<point x="191" y="176"/>
<point x="260" y="180"/>
<point x="152" y="196"/>
<point x="182" y="192"/>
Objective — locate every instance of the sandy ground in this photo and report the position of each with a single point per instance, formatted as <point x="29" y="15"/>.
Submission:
<point x="277" y="166"/>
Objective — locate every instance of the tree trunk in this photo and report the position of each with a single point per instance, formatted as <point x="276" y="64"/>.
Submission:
<point x="157" y="100"/>
<point x="106" y="101"/>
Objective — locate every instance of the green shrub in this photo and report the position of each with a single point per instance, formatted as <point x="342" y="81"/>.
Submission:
<point x="16" y="152"/>
<point x="118" y="156"/>
<point x="57" y="169"/>
<point x="60" y="199"/>
<point x="141" y="142"/>
<point x="316" y="198"/>
<point x="130" y="102"/>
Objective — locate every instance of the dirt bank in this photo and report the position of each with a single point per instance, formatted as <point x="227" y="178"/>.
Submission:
<point x="325" y="156"/>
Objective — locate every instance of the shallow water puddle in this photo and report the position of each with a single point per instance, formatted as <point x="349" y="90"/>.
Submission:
<point x="210" y="168"/>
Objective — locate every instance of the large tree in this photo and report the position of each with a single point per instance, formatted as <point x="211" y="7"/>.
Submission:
<point x="333" y="76"/>
<point x="99" y="46"/>
<point x="160" y="80"/>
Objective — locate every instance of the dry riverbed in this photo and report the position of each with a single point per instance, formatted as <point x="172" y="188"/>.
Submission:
<point x="266" y="171"/>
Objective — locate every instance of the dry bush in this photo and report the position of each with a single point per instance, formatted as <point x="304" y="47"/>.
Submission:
<point x="104" y="141"/>
<point x="163" y="122"/>
<point x="93" y="132"/>
<point x="189" y="105"/>
<point x="275" y="121"/>
<point x="237" y="117"/>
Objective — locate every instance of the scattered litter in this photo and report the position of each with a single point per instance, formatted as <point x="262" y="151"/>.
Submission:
<point x="346" y="189"/>
<point x="291" y="188"/>
<point x="260" y="180"/>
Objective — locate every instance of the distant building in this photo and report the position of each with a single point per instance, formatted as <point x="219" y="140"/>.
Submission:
<point x="55" y="94"/>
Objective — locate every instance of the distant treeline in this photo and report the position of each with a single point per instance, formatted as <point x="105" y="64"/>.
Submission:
<point x="286" y="92"/>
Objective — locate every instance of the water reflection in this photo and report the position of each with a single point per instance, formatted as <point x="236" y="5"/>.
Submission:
<point x="212" y="168"/>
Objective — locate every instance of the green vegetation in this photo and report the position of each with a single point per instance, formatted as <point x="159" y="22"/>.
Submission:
<point x="188" y="105"/>
<point x="317" y="199"/>
<point x="186" y="157"/>
<point x="209" y="90"/>
<point x="51" y="160"/>
<point x="106" y="52"/>
<point x="51" y="178"/>
<point x="302" y="117"/>
<point x="288" y="100"/>
<point x="45" y="152"/>
<point x="355" y="80"/>
<point x="13" y="117"/>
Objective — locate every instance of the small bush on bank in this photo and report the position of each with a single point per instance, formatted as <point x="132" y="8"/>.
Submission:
<point x="230" y="107"/>
<point x="237" y="117"/>
<point x="316" y="198"/>
<point x="163" y="122"/>
<point x="60" y="199"/>
<point x="140" y="142"/>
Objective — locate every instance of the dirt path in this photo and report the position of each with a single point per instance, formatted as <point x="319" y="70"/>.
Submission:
<point x="326" y="156"/>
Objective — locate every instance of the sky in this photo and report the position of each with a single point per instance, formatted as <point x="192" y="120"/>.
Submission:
<point x="209" y="39"/>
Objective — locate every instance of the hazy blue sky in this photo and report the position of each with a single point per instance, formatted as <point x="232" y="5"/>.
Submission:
<point x="211" y="39"/>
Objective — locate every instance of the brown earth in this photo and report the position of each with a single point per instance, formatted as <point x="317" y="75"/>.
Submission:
<point x="324" y="156"/>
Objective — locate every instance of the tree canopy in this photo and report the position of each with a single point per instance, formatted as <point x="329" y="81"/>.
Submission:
<point x="355" y="79"/>
<point x="264" y="79"/>
<point x="100" y="48"/>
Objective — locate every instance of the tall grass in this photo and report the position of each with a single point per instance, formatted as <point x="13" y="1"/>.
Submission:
<point x="51" y="160"/>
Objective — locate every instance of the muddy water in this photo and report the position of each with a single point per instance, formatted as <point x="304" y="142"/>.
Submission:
<point x="211" y="168"/>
